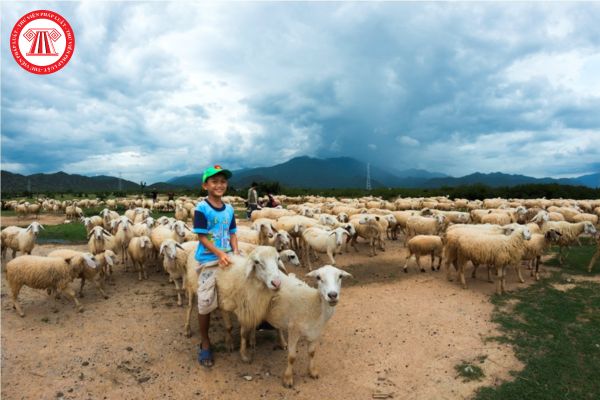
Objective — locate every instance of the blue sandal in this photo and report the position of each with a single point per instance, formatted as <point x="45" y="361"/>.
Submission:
<point x="205" y="358"/>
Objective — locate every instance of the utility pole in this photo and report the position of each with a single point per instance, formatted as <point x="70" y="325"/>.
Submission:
<point x="368" y="176"/>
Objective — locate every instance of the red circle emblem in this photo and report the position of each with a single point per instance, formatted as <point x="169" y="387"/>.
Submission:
<point x="42" y="42"/>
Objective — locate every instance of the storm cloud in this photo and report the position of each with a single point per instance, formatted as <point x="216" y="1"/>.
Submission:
<point x="156" y="90"/>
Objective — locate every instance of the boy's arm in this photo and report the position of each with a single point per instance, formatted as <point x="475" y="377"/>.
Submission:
<point x="234" y="243"/>
<point x="224" y="259"/>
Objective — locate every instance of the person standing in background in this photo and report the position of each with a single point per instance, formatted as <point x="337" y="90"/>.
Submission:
<point x="252" y="199"/>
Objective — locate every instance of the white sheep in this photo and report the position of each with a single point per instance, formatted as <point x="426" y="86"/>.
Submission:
<point x="19" y="239"/>
<point x="418" y="225"/>
<point x="50" y="273"/>
<point x="91" y="222"/>
<point x="143" y="228"/>
<point x="303" y="312"/>
<point x="323" y="241"/>
<point x="175" y="262"/>
<point x="139" y="250"/>
<point x="367" y="227"/>
<point x="181" y="213"/>
<point x="122" y="237"/>
<point x="422" y="245"/>
<point x="99" y="239"/>
<point x="93" y="273"/>
<point x="494" y="250"/>
<point x="569" y="233"/>
<point x="245" y="288"/>
<point x="535" y="248"/>
<point x="259" y="237"/>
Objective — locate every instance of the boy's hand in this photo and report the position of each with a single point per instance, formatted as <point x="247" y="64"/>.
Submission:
<point x="224" y="259"/>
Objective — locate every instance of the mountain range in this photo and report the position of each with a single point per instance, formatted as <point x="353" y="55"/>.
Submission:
<point x="299" y="172"/>
<point x="345" y="172"/>
<point x="61" y="182"/>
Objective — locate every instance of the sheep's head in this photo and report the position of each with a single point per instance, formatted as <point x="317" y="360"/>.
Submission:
<point x="541" y="217"/>
<point x="266" y="265"/>
<point x="266" y="229"/>
<point x="290" y="256"/>
<point x="523" y="230"/>
<point x="552" y="235"/>
<point x="34" y="227"/>
<point x="329" y="281"/>
<point x="169" y="249"/>
<point x="179" y="228"/>
<point x="340" y="235"/>
<point x="588" y="227"/>
<point x="350" y="229"/>
<point x="282" y="240"/>
<point x="343" y="217"/>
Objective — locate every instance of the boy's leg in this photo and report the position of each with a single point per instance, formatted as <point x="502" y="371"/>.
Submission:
<point x="204" y="322"/>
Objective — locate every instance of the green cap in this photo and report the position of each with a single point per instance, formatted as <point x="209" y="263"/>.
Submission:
<point x="215" y="169"/>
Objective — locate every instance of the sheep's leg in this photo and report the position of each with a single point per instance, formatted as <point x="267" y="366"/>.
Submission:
<point x="307" y="257"/>
<point x="593" y="260"/>
<point x="353" y="243"/>
<point x="312" y="369"/>
<point x="447" y="265"/>
<point x="518" y="270"/>
<point x="489" y="269"/>
<point x="439" y="262"/>
<point x="70" y="293"/>
<point x="330" y="254"/>
<point x="537" y="268"/>
<point x="282" y="341"/>
<point x="15" y="289"/>
<point x="419" y="266"/>
<point x="187" y="328"/>
<point x="474" y="273"/>
<point x="499" y="279"/>
<point x="81" y="286"/>
<point x="244" y="332"/>
<point x="406" y="263"/>
<point x="178" y="290"/>
<point x="288" y="376"/>
<point x="99" y="286"/>
<point x="461" y="272"/>
<point x="432" y="261"/>
<point x="138" y="266"/>
<point x="228" y="329"/>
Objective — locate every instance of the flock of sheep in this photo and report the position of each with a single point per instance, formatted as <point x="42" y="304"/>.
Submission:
<point x="497" y="233"/>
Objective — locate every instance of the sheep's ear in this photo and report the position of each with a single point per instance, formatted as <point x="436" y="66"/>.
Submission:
<point x="88" y="260"/>
<point x="249" y="267"/>
<point x="313" y="274"/>
<point x="42" y="226"/>
<point x="89" y="235"/>
<point x="162" y="248"/>
<point x="107" y="233"/>
<point x="109" y="260"/>
<point x="346" y="274"/>
<point x="28" y="228"/>
<point x="142" y="244"/>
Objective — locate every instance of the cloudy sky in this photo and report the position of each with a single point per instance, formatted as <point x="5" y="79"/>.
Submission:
<point x="156" y="90"/>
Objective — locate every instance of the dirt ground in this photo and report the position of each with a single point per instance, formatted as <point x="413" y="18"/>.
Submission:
<point x="44" y="219"/>
<point x="392" y="333"/>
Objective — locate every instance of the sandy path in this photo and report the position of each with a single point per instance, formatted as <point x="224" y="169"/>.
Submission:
<point x="392" y="332"/>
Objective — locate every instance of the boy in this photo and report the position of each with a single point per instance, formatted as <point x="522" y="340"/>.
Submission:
<point x="214" y="222"/>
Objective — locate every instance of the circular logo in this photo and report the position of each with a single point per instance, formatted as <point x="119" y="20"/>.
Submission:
<point x="42" y="42"/>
